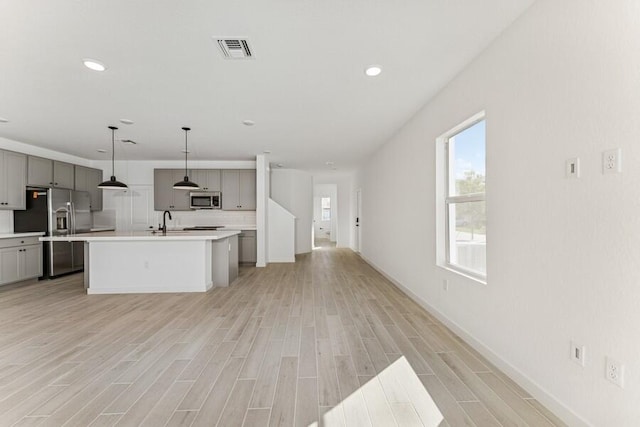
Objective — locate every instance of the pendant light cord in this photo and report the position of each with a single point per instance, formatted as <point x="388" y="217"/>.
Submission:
<point x="186" y="132"/>
<point x="113" y="150"/>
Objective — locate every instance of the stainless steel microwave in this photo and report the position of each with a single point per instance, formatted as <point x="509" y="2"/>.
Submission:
<point x="205" y="200"/>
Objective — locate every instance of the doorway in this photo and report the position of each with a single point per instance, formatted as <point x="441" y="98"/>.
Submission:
<point x="325" y="211"/>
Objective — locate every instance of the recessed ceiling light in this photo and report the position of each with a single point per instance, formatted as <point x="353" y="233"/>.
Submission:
<point x="126" y="121"/>
<point x="101" y="150"/>
<point x="248" y="122"/>
<point x="329" y="163"/>
<point x="94" y="65"/>
<point x="3" y="120"/>
<point x="373" y="71"/>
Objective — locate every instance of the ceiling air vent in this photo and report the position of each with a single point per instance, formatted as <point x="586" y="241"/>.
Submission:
<point x="235" y="48"/>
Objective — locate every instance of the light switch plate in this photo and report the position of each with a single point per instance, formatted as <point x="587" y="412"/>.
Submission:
<point x="572" y="168"/>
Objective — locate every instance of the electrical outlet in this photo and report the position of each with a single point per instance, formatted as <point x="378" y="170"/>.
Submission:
<point x="572" y="168"/>
<point x="578" y="353"/>
<point x="612" y="161"/>
<point x="445" y="285"/>
<point x="615" y="372"/>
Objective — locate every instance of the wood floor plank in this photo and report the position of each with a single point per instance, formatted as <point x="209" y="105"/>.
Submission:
<point x="308" y="366"/>
<point x="498" y="408"/>
<point x="328" y="392"/>
<point x="236" y="407"/>
<point x="256" y="354"/>
<point x="306" y="413"/>
<point x="447" y="405"/>
<point x="217" y="398"/>
<point x="257" y="417"/>
<point x="283" y="409"/>
<point x="268" y="377"/>
<point x="168" y="404"/>
<point x="202" y="385"/>
<point x="380" y="411"/>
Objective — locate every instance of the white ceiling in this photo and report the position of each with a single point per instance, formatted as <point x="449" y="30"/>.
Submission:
<point x="305" y="89"/>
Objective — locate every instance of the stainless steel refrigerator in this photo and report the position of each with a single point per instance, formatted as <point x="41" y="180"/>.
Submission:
<point x="57" y="212"/>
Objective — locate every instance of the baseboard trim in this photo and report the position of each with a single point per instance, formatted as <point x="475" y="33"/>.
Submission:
<point x="536" y="391"/>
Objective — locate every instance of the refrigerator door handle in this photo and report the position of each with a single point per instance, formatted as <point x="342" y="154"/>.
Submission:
<point x="73" y="214"/>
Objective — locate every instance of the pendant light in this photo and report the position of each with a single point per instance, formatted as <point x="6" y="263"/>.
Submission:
<point x="113" y="183"/>
<point x="185" y="184"/>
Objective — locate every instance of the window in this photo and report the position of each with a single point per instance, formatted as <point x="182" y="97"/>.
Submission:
<point x="465" y="207"/>
<point x="326" y="208"/>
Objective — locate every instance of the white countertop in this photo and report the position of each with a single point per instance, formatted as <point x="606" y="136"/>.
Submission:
<point x="14" y="235"/>
<point x="239" y="227"/>
<point x="112" y="236"/>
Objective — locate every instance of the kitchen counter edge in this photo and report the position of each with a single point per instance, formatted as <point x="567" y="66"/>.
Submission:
<point x="112" y="236"/>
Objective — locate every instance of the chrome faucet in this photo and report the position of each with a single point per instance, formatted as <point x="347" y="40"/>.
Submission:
<point x="164" y="221"/>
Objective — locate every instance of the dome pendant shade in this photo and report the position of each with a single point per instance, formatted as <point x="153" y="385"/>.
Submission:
<point x="185" y="184"/>
<point x="113" y="183"/>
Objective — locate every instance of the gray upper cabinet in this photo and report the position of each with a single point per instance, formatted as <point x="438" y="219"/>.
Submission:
<point x="88" y="179"/>
<point x="39" y="172"/>
<point x="164" y="196"/>
<point x="207" y="179"/>
<point x="13" y="175"/>
<point x="49" y="173"/>
<point x="63" y="175"/>
<point x="239" y="190"/>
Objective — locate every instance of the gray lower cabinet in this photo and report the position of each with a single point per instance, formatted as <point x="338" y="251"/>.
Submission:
<point x="164" y="196"/>
<point x="207" y="179"/>
<point x="239" y="189"/>
<point x="43" y="172"/>
<point x="13" y="175"/>
<point x="224" y="261"/>
<point x="88" y="179"/>
<point x="247" y="249"/>
<point x="20" y="259"/>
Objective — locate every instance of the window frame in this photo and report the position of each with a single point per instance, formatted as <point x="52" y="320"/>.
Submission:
<point x="323" y="209"/>
<point x="459" y="199"/>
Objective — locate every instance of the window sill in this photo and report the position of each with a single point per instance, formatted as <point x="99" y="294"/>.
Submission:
<point x="459" y="272"/>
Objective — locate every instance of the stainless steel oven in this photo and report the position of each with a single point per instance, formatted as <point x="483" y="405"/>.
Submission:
<point x="205" y="200"/>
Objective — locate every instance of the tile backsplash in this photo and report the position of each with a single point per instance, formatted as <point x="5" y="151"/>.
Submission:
<point x="6" y="221"/>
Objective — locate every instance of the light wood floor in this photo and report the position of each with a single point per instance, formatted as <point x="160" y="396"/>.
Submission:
<point x="324" y="341"/>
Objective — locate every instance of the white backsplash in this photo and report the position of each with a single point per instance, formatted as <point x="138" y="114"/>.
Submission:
<point x="208" y="217"/>
<point x="6" y="221"/>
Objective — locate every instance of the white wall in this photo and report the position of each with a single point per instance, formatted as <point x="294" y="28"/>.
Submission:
<point x="263" y="188"/>
<point x="325" y="229"/>
<point x="346" y="184"/>
<point x="293" y="190"/>
<point x="563" y="254"/>
<point x="282" y="233"/>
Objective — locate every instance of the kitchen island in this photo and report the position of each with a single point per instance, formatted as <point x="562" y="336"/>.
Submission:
<point x="146" y="262"/>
